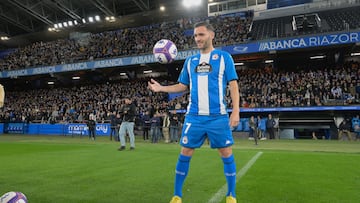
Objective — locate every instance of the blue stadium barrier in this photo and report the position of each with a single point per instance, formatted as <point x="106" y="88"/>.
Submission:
<point x="102" y="129"/>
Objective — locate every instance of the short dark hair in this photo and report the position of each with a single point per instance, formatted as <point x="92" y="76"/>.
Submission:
<point x="206" y="24"/>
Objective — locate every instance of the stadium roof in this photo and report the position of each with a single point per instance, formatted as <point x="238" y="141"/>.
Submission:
<point x="26" y="21"/>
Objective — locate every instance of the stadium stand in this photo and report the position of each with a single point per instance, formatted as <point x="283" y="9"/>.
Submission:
<point x="125" y="42"/>
<point x="331" y="20"/>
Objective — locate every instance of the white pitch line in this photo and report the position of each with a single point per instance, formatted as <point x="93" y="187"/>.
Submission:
<point x="219" y="195"/>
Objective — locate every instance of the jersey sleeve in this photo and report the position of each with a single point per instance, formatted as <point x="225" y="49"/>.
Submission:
<point x="184" y="76"/>
<point x="230" y="71"/>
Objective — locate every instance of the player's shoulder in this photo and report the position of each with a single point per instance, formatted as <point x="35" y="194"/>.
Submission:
<point x="193" y="57"/>
<point x="221" y="53"/>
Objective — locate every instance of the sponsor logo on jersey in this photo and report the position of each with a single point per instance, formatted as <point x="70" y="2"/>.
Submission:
<point x="203" y="68"/>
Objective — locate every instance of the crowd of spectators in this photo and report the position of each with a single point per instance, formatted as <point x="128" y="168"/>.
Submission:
<point x="230" y="29"/>
<point x="338" y="85"/>
<point x="258" y="88"/>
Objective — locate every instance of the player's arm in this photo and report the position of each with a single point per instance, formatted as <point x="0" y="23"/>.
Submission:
<point x="235" y="98"/>
<point x="157" y="87"/>
<point x="2" y="96"/>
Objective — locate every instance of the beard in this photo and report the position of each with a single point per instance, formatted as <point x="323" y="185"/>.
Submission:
<point x="206" y="43"/>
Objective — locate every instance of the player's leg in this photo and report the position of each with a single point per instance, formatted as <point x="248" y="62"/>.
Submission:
<point x="220" y="136"/>
<point x="122" y="133"/>
<point x="130" y="130"/>
<point x="182" y="169"/>
<point x="192" y="136"/>
<point x="229" y="169"/>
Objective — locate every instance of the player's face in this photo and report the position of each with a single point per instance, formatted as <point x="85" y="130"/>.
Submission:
<point x="203" y="38"/>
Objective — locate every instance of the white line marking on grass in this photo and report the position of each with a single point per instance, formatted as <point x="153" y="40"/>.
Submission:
<point x="219" y="195"/>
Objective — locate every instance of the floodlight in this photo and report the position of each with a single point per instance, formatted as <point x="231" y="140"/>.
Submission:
<point x="191" y="3"/>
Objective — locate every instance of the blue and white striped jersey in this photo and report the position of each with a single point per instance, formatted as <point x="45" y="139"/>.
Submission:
<point x="207" y="76"/>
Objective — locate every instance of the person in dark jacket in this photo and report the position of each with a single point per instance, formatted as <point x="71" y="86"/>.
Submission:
<point x="270" y="125"/>
<point x="113" y="132"/>
<point x="146" y="125"/>
<point x="344" y="127"/>
<point x="155" y="128"/>
<point x="91" y="124"/>
<point x="127" y="125"/>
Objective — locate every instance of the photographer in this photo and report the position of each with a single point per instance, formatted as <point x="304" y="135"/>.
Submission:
<point x="127" y="126"/>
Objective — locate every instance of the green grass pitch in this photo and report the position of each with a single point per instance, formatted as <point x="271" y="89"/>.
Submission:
<point x="56" y="169"/>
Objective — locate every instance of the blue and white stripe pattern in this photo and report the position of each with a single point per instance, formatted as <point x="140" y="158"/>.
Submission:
<point x="207" y="75"/>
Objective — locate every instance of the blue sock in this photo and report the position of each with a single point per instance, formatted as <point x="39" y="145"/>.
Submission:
<point x="181" y="171"/>
<point x="230" y="174"/>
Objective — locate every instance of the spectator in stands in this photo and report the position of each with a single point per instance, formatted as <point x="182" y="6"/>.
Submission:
<point x="91" y="124"/>
<point x="270" y="126"/>
<point x="261" y="128"/>
<point x="174" y="127"/>
<point x="344" y="127"/>
<point x="146" y="125"/>
<point x="336" y="92"/>
<point x="112" y="118"/>
<point x="253" y="129"/>
<point x="127" y="125"/>
<point x="155" y="128"/>
<point x="118" y="121"/>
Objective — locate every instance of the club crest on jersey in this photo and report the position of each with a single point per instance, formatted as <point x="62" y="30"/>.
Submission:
<point x="203" y="68"/>
<point x="185" y="140"/>
<point x="215" y="57"/>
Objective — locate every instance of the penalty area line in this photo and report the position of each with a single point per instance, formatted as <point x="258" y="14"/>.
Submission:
<point x="219" y="195"/>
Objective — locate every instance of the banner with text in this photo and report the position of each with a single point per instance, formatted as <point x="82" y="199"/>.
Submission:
<point x="261" y="46"/>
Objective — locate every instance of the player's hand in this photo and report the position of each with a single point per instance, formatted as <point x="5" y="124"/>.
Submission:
<point x="154" y="85"/>
<point x="234" y="119"/>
